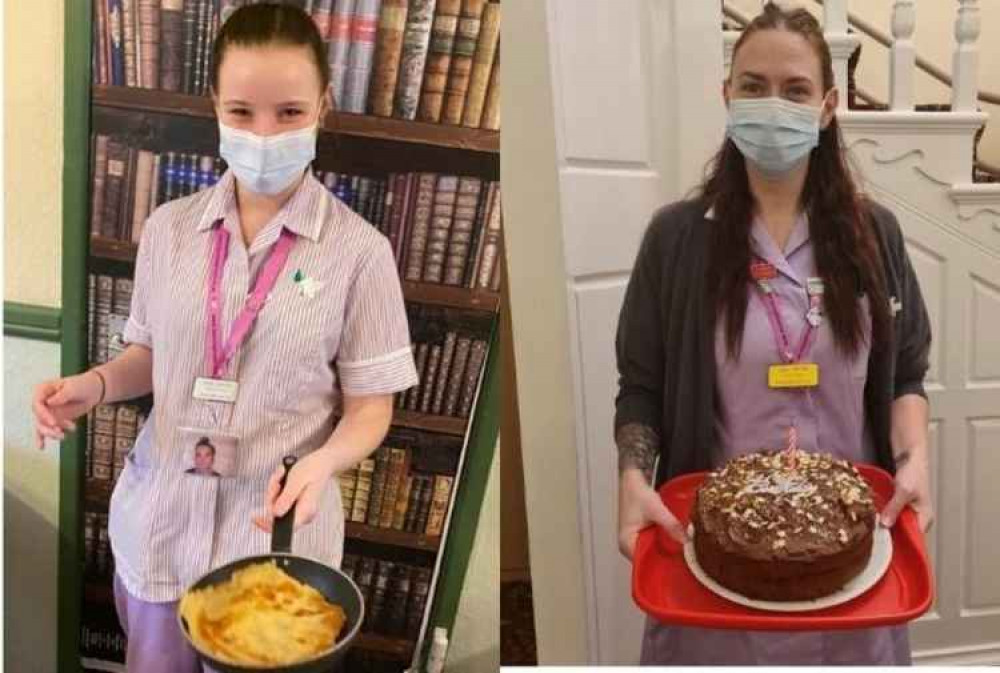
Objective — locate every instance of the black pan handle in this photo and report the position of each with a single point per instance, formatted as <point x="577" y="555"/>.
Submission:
<point x="281" y="533"/>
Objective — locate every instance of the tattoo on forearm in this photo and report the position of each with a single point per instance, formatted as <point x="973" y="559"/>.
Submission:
<point x="638" y="446"/>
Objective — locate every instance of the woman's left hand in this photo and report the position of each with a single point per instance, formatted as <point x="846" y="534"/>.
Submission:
<point x="913" y="487"/>
<point x="305" y="484"/>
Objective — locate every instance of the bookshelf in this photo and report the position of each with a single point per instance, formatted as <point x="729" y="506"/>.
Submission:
<point x="160" y="121"/>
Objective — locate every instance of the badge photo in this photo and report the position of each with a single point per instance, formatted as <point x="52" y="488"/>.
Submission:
<point x="208" y="452"/>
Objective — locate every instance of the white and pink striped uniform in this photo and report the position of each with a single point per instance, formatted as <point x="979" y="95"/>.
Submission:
<point x="351" y="337"/>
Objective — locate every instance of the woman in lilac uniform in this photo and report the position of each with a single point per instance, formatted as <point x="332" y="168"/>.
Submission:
<point x="777" y="261"/>
<point x="263" y="310"/>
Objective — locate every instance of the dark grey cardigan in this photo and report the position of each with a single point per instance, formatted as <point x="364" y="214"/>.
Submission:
<point x="665" y="341"/>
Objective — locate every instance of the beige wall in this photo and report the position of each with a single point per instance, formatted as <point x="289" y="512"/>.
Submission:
<point x="33" y="118"/>
<point x="33" y="86"/>
<point x="935" y="40"/>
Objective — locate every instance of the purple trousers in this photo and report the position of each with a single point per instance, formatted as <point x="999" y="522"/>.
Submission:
<point x="155" y="641"/>
<point x="664" y="644"/>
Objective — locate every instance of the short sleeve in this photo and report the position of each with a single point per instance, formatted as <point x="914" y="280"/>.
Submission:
<point x="913" y="329"/>
<point x="137" y="329"/>
<point x="375" y="355"/>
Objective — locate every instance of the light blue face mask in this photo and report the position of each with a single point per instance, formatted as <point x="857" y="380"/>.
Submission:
<point x="773" y="133"/>
<point x="267" y="164"/>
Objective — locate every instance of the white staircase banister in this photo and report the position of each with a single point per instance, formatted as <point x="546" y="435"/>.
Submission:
<point x="902" y="58"/>
<point x="965" y="64"/>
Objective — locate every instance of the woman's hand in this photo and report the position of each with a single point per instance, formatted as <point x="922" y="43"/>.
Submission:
<point x="638" y="506"/>
<point x="913" y="487"/>
<point x="58" y="402"/>
<point x="305" y="484"/>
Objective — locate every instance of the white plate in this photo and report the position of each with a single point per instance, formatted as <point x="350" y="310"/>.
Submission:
<point x="878" y="563"/>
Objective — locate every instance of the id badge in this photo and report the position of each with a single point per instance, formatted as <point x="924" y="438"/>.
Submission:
<point x="215" y="390"/>
<point x="208" y="452"/>
<point x="798" y="375"/>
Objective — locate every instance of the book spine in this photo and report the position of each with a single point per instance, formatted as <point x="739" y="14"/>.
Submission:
<point x="482" y="65"/>
<point x="402" y="503"/>
<point x="90" y="535"/>
<point x="376" y="607"/>
<point x="378" y="486"/>
<point x="442" y="214"/>
<point x="457" y="376"/>
<point x="349" y="565"/>
<point x="366" y="577"/>
<point x="478" y="235"/>
<point x="416" y="41"/>
<point x="103" y="547"/>
<point x="191" y="8"/>
<point x="172" y="23"/>
<point x="340" y="45"/>
<point x="100" y="172"/>
<point x="477" y="356"/>
<point x="399" y="591"/>
<point x="348" y="482"/>
<point x="388" y="52"/>
<point x="361" y="55"/>
<point x="466" y="39"/>
<point x="403" y="226"/>
<point x="143" y="182"/>
<point x="439" y="59"/>
<point x="422" y="211"/>
<point x="427" y="385"/>
<point x="447" y="355"/>
<point x="116" y="30"/>
<point x="129" y="42"/>
<point x="383" y="203"/>
<point x="101" y="41"/>
<point x="413" y="394"/>
<point x="498" y="267"/>
<point x="114" y="188"/>
<point x="149" y="43"/>
<point x="420" y="587"/>
<point x="362" y="490"/>
<point x="206" y="171"/>
<point x="168" y="173"/>
<point x="201" y="33"/>
<point x="439" y="505"/>
<point x="491" y="245"/>
<point x="491" y="109"/>
<point x="426" y="493"/>
<point x="128" y="185"/>
<point x="105" y="292"/>
<point x="413" y="504"/>
<point x="466" y="205"/>
<point x="396" y="465"/>
<point x="208" y="37"/>
<point x="91" y="322"/>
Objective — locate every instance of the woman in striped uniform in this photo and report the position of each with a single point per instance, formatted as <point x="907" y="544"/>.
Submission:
<point x="263" y="310"/>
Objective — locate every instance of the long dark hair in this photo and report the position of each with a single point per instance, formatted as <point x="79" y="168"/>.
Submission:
<point x="841" y="227"/>
<point x="268" y="23"/>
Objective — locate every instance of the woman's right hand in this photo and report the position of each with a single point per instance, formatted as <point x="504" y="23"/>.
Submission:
<point x="639" y="505"/>
<point x="57" y="402"/>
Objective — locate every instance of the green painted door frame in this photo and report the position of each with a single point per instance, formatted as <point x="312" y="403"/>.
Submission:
<point x="76" y="227"/>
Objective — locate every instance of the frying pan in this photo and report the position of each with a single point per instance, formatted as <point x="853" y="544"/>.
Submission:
<point x="335" y="586"/>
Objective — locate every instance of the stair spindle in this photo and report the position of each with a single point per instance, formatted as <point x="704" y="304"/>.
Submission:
<point x="903" y="58"/>
<point x="965" y="64"/>
<point x="842" y="44"/>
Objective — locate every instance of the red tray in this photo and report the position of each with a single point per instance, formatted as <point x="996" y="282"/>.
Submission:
<point x="663" y="586"/>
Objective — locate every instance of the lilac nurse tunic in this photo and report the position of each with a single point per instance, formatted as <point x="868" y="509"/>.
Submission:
<point x="755" y="417"/>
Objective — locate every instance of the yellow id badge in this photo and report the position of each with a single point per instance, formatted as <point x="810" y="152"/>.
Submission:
<point x="798" y="375"/>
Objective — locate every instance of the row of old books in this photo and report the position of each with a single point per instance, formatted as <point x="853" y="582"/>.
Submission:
<point x="109" y="301"/>
<point x="98" y="560"/>
<point x="395" y="594"/>
<point x="383" y="492"/>
<point x="444" y="229"/>
<point x="111" y="432"/>
<point x="449" y="375"/>
<point x="433" y="60"/>
<point x="129" y="182"/>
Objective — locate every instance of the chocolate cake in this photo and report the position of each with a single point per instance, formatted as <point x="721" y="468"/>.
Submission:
<point x="773" y="530"/>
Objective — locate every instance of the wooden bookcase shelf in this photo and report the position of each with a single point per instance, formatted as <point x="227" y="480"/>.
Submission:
<point x="389" y="536"/>
<point x="365" y="126"/>
<point x="423" y="293"/>
<point x="445" y="425"/>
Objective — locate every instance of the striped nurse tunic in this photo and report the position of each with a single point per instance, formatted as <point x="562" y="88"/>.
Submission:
<point x="347" y="336"/>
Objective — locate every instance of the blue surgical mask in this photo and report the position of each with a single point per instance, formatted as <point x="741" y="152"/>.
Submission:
<point x="773" y="133"/>
<point x="267" y="164"/>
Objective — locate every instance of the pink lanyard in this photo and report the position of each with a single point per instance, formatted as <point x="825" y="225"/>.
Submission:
<point x="217" y="356"/>
<point x="781" y="339"/>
